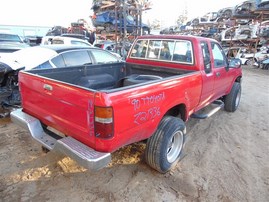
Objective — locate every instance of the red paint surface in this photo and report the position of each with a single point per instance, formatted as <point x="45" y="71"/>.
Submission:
<point x="137" y="111"/>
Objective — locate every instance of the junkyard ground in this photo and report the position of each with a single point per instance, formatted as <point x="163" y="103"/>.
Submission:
<point x="226" y="159"/>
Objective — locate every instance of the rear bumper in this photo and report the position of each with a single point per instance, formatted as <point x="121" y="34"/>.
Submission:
<point x="84" y="155"/>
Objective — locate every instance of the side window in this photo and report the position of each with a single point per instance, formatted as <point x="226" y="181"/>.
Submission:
<point x="76" y="58"/>
<point x="140" y="49"/>
<point x="206" y="57"/>
<point x="45" y="65"/>
<point x="58" y="61"/>
<point x="103" y="56"/>
<point x="183" y="52"/>
<point x="218" y="55"/>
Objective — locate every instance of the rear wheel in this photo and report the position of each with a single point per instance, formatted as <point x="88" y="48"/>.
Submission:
<point x="232" y="100"/>
<point x="164" y="148"/>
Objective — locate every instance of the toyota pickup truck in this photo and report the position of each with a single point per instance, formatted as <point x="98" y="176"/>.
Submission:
<point x="88" y="112"/>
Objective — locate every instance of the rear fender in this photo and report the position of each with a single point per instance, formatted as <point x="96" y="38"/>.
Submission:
<point x="179" y="111"/>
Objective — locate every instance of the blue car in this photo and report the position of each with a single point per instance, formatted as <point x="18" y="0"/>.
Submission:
<point x="107" y="19"/>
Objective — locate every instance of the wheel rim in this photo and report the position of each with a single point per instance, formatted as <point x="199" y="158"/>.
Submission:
<point x="249" y="62"/>
<point x="237" y="100"/>
<point x="174" y="146"/>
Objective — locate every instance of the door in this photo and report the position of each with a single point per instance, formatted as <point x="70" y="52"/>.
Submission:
<point x="220" y="70"/>
<point x="207" y="94"/>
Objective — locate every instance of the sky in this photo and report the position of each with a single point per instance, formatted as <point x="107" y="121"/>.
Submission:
<point x="63" y="12"/>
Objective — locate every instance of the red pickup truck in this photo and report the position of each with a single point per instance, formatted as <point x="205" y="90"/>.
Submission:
<point x="88" y="112"/>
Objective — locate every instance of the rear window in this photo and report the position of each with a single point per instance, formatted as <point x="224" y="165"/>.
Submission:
<point x="57" y="41"/>
<point x="179" y="51"/>
<point x="77" y="58"/>
<point x="80" y="43"/>
<point x="99" y="45"/>
<point x="10" y="37"/>
<point x="101" y="56"/>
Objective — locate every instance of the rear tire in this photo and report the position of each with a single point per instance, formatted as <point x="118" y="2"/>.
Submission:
<point x="232" y="100"/>
<point x="165" y="146"/>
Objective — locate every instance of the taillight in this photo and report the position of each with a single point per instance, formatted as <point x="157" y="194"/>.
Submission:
<point x="103" y="122"/>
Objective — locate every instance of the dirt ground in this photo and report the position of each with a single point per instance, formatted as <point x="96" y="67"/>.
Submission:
<point x="226" y="159"/>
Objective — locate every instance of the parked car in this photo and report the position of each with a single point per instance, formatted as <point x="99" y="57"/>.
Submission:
<point x="263" y="30"/>
<point x="70" y="41"/>
<point x="56" y="31"/>
<point x="106" y="45"/>
<point x="73" y="39"/>
<point x="109" y="21"/>
<point x="236" y="33"/>
<point x="47" y="56"/>
<point x="247" y="57"/>
<point x="208" y="18"/>
<point x="225" y="13"/>
<point x="264" y="64"/>
<point x="263" y="5"/>
<point x="10" y="43"/>
<point x="78" y="36"/>
<point x="245" y="9"/>
<point x="170" y="30"/>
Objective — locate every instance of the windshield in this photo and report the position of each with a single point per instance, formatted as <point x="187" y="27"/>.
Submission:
<point x="10" y="37"/>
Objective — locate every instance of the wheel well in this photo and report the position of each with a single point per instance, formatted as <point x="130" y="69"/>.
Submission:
<point x="178" y="111"/>
<point x="238" y="79"/>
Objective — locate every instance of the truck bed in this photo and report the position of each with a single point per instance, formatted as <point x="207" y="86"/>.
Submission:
<point x="108" y="77"/>
<point x="65" y="99"/>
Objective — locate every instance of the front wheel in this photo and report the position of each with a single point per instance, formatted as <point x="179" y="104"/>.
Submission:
<point x="232" y="100"/>
<point x="250" y="62"/>
<point x="164" y="148"/>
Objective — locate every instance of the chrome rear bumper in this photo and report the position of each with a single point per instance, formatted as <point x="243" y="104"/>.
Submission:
<point x="84" y="155"/>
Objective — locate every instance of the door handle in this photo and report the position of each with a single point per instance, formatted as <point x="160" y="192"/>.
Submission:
<point x="218" y="74"/>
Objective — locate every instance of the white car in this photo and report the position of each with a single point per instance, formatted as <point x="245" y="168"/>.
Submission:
<point x="208" y="18"/>
<point x="71" y="41"/>
<point x="49" y="56"/>
<point x="10" y="43"/>
<point x="236" y="33"/>
<point x="50" y="40"/>
<point x="247" y="57"/>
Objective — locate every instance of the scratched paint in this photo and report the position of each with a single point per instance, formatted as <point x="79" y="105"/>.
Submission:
<point x="147" y="101"/>
<point x="142" y="116"/>
<point x="91" y="118"/>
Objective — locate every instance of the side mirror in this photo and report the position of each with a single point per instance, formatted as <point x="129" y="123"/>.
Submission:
<point x="235" y="63"/>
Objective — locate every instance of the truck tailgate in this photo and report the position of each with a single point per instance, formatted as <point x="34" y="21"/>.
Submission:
<point x="62" y="106"/>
